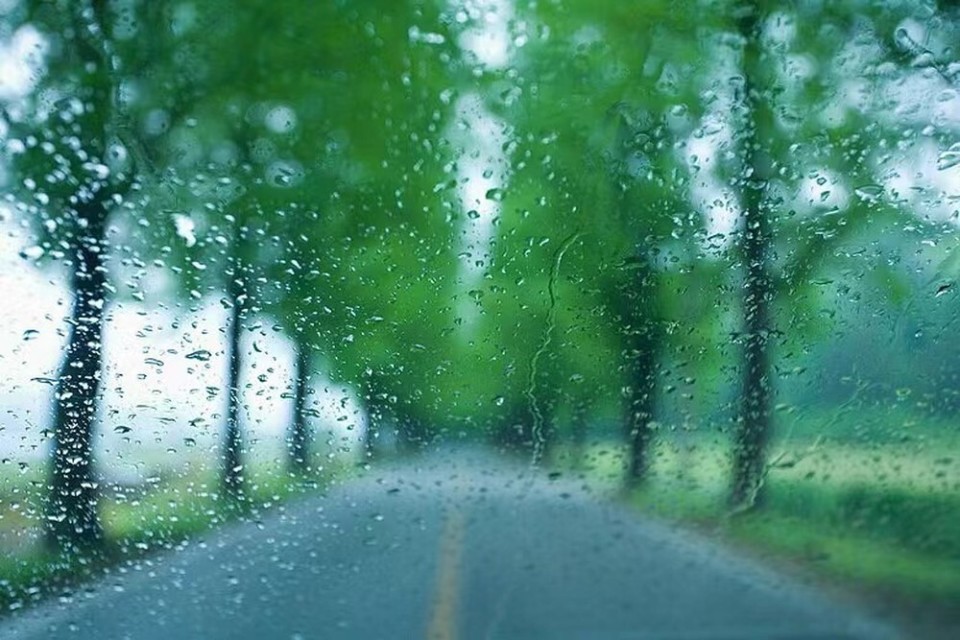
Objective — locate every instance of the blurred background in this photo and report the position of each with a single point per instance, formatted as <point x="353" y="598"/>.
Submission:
<point x="701" y="254"/>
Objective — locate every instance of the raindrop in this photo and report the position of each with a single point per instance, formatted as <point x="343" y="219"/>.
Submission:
<point x="281" y="120"/>
<point x="869" y="191"/>
<point x="185" y="227"/>
<point x="496" y="194"/>
<point x="949" y="158"/>
<point x="30" y="334"/>
<point x="122" y="429"/>
<point x="284" y="173"/>
<point x="32" y="253"/>
<point x="201" y="354"/>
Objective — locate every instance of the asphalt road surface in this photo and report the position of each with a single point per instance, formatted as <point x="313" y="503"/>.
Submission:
<point x="448" y="548"/>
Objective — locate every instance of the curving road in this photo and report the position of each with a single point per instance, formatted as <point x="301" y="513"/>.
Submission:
<point x="448" y="548"/>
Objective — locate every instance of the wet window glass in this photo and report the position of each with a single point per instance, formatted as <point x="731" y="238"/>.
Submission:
<point x="479" y="319"/>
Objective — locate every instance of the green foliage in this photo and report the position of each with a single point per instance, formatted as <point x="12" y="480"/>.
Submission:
<point x="527" y="250"/>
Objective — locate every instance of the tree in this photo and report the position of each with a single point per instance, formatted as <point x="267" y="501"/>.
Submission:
<point x="785" y="239"/>
<point x="72" y="159"/>
<point x="607" y="110"/>
<point x="753" y="420"/>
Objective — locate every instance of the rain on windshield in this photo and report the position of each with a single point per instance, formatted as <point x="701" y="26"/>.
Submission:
<point x="479" y="319"/>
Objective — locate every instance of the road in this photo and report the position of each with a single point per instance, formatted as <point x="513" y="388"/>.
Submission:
<point x="448" y="548"/>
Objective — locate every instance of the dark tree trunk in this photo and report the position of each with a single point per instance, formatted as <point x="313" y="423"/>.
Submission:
<point x="411" y="433"/>
<point x="232" y="477"/>
<point x="579" y="432"/>
<point x="545" y="442"/>
<point x="379" y="413"/>
<point x="374" y="421"/>
<point x="71" y="515"/>
<point x="511" y="432"/>
<point x="643" y="353"/>
<point x="754" y="419"/>
<point x="370" y="435"/>
<point x="753" y="423"/>
<point x="639" y="311"/>
<point x="299" y="461"/>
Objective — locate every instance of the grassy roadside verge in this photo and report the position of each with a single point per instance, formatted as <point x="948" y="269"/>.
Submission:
<point x="142" y="521"/>
<point x="892" y="543"/>
<point x="853" y="551"/>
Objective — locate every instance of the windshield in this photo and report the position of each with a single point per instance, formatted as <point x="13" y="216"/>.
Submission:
<point x="479" y="319"/>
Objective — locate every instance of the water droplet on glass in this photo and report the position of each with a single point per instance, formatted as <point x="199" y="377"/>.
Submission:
<point x="32" y="253"/>
<point x="869" y="191"/>
<point x="949" y="158"/>
<point x="496" y="194"/>
<point x="184" y="227"/>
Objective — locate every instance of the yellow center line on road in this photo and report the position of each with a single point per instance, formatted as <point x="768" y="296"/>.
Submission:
<point x="443" y="616"/>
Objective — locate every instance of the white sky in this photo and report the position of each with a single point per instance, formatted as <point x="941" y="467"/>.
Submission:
<point x="482" y="176"/>
<point x="19" y="60"/>
<point x="482" y="164"/>
<point x="157" y="402"/>
<point x="488" y="36"/>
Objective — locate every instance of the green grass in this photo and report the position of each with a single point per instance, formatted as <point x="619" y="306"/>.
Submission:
<point x="881" y="519"/>
<point x="866" y="424"/>
<point x="856" y="558"/>
<point x="136" y="522"/>
<point x="840" y="534"/>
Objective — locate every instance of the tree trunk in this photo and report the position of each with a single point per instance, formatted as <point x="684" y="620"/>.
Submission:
<point x="754" y="419"/>
<point x="639" y="313"/>
<point x="411" y="433"/>
<point x="579" y="432"/>
<point x="299" y="461"/>
<point x="643" y="352"/>
<point x="379" y="413"/>
<point x="512" y="431"/>
<point x="545" y="442"/>
<point x="71" y="515"/>
<point x="374" y="420"/>
<point x="232" y="478"/>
